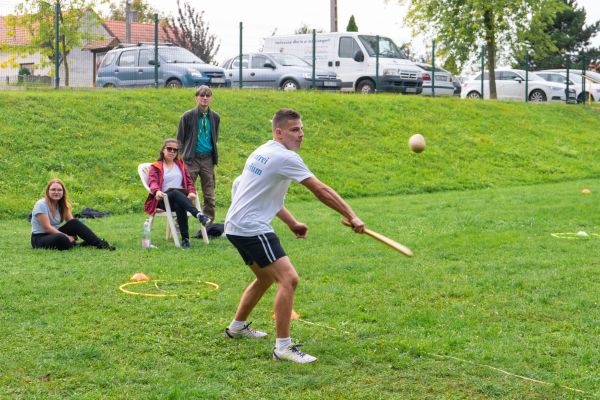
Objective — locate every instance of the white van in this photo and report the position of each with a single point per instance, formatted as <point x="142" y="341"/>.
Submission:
<point x="352" y="56"/>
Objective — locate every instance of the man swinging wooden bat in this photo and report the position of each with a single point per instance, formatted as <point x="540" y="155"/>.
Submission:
<point x="257" y="197"/>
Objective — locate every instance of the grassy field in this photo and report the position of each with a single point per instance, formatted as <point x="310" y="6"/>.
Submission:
<point x="488" y="285"/>
<point x="490" y="294"/>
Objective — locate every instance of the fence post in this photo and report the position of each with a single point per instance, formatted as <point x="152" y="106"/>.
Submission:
<point x="584" y="92"/>
<point x="56" y="46"/>
<point x="314" y="56"/>
<point x="526" y="77"/>
<point x="377" y="66"/>
<point x="567" y="81"/>
<point x="156" y="51"/>
<point x="240" y="76"/>
<point x="482" y="69"/>
<point x="433" y="68"/>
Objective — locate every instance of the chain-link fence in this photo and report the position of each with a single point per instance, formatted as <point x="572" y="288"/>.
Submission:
<point x="77" y="48"/>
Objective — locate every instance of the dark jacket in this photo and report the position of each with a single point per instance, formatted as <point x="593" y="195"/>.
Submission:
<point x="155" y="182"/>
<point x="187" y="133"/>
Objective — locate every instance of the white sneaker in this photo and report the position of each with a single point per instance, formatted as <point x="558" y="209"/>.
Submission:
<point x="291" y="353"/>
<point x="244" y="332"/>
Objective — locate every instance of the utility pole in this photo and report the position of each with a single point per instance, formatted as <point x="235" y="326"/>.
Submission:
<point x="333" y="13"/>
<point x="127" y="21"/>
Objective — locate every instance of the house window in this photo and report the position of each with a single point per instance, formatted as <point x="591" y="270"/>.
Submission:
<point x="28" y="66"/>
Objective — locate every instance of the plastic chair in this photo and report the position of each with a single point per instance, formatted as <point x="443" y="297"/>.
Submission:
<point x="171" y="229"/>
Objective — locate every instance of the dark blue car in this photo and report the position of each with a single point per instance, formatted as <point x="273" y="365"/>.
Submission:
<point x="133" y="66"/>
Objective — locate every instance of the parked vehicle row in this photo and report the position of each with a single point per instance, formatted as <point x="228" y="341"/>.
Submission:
<point x="510" y="85"/>
<point x="344" y="61"/>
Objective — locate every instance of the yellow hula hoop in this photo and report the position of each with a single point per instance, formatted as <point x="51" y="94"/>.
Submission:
<point x="165" y="294"/>
<point x="573" y="235"/>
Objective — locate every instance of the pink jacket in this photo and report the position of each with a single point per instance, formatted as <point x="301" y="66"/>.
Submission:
<point x="155" y="181"/>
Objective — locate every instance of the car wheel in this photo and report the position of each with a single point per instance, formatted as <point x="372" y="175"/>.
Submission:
<point x="174" y="83"/>
<point x="365" y="87"/>
<point x="582" y="96"/>
<point x="537" y="96"/>
<point x="289" y="84"/>
<point x="473" y="95"/>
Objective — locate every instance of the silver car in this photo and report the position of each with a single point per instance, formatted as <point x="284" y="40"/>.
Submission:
<point x="443" y="81"/>
<point x="278" y="71"/>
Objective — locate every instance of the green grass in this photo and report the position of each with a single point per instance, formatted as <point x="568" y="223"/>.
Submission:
<point x="94" y="140"/>
<point x="488" y="284"/>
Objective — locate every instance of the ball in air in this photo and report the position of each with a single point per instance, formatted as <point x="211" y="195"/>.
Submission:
<point x="416" y="143"/>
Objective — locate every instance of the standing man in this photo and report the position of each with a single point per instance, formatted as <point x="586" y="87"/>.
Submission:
<point x="257" y="197"/>
<point x="198" y="133"/>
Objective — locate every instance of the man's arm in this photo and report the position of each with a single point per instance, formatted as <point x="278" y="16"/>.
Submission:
<point x="299" y="229"/>
<point x="330" y="198"/>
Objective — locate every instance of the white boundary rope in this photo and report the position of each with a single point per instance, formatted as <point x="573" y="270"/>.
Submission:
<point x="502" y="371"/>
<point x="573" y="235"/>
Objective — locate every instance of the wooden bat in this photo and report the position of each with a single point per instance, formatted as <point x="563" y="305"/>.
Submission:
<point x="385" y="240"/>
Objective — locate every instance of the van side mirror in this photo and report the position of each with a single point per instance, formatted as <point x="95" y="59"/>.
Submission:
<point x="268" y="64"/>
<point x="359" y="56"/>
<point x="151" y="62"/>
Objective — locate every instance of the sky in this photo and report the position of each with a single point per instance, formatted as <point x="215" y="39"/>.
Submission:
<point x="261" y="18"/>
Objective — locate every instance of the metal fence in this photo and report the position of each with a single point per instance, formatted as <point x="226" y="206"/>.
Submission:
<point x="86" y="51"/>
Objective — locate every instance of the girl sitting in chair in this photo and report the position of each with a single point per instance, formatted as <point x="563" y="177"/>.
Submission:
<point x="47" y="215"/>
<point x="168" y="177"/>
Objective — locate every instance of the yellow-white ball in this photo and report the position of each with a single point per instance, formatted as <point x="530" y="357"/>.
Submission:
<point x="416" y="143"/>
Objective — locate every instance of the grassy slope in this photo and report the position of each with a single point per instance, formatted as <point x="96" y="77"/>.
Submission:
<point x="94" y="141"/>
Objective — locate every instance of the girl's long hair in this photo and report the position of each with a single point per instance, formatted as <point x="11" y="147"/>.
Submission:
<point x="165" y="143"/>
<point x="64" y="205"/>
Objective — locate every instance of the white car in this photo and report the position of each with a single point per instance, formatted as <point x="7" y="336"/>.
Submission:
<point x="561" y="79"/>
<point x="592" y="82"/>
<point x="510" y="85"/>
<point x="443" y="81"/>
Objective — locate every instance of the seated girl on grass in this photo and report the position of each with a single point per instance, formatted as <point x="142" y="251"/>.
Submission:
<point x="54" y="209"/>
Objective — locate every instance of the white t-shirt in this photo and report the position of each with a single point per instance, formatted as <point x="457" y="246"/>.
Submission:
<point x="258" y="194"/>
<point x="172" y="179"/>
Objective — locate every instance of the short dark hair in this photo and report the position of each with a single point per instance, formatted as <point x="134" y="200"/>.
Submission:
<point x="203" y="90"/>
<point x="282" y="116"/>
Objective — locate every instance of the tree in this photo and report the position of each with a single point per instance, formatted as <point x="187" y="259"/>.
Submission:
<point x="304" y="29"/>
<point x="191" y="32"/>
<point x="566" y="33"/>
<point x="352" y="27"/>
<point x="144" y="11"/>
<point x="461" y="27"/>
<point x="36" y="17"/>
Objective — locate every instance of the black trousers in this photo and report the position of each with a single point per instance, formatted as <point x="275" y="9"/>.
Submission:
<point x="57" y="241"/>
<point x="180" y="204"/>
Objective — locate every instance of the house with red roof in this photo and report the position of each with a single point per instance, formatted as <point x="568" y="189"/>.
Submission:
<point x="83" y="62"/>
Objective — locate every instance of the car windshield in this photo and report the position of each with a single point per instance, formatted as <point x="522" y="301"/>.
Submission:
<point x="178" y="55"/>
<point x="387" y="48"/>
<point x="289" y="60"/>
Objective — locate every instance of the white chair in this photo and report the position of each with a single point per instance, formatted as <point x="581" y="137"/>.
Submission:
<point x="171" y="230"/>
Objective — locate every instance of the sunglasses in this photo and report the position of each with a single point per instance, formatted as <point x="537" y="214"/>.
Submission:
<point x="172" y="149"/>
